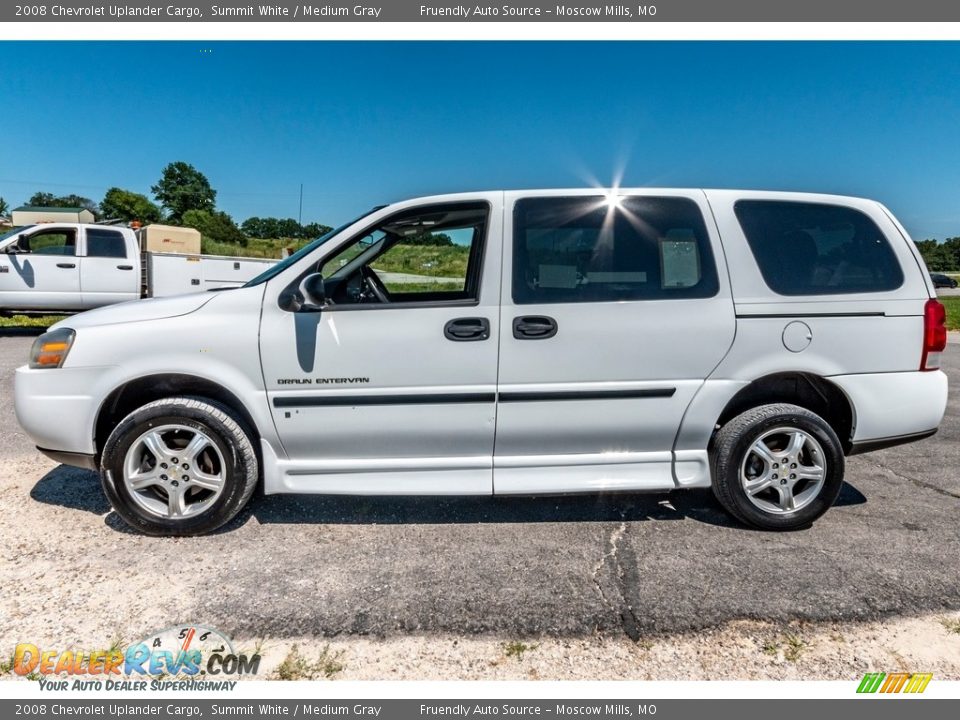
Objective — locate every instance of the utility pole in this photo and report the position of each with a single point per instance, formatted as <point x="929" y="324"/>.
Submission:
<point x="300" y="211"/>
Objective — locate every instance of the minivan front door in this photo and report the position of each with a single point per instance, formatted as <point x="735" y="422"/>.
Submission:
<point x="390" y="387"/>
<point x="613" y="314"/>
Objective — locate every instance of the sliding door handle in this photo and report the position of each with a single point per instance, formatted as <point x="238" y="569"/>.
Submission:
<point x="66" y="266"/>
<point x="534" y="327"/>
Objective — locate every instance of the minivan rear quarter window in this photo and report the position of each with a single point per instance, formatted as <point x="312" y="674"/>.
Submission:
<point x="598" y="249"/>
<point x="818" y="249"/>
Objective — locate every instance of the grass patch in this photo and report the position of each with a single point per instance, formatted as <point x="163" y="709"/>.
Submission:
<point x="795" y="647"/>
<point x="256" y="247"/>
<point x="516" y="649"/>
<point x="952" y="304"/>
<point x="30" y="321"/>
<point x="296" y="667"/>
<point x="792" y="647"/>
<point x="421" y="287"/>
<point x="442" y="261"/>
<point x="951" y="624"/>
<point x="432" y="260"/>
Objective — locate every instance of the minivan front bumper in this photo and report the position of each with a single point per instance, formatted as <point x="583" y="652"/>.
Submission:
<point x="57" y="407"/>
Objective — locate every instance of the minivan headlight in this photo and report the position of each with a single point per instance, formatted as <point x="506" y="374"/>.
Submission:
<point x="50" y="349"/>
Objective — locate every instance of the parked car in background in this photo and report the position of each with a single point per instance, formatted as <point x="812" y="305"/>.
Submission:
<point x="540" y="342"/>
<point x="942" y="281"/>
<point x="71" y="267"/>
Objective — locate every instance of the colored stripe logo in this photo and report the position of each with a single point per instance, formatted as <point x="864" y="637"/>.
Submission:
<point x="894" y="682"/>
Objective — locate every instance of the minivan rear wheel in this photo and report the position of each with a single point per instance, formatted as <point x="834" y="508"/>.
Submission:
<point x="179" y="466"/>
<point x="777" y="467"/>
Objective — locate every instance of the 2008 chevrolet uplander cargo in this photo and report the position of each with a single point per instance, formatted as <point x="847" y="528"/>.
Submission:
<point x="527" y="342"/>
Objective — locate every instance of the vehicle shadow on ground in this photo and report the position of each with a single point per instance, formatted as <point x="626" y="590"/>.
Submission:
<point x="78" y="489"/>
<point x="694" y="504"/>
<point x="72" y="488"/>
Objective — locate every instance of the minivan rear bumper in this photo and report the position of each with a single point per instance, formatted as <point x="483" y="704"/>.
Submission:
<point x="865" y="446"/>
<point x="894" y="408"/>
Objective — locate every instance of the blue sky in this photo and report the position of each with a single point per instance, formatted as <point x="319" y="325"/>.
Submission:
<point x="371" y="122"/>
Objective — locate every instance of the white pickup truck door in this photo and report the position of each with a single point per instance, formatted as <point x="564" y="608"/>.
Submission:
<point x="46" y="275"/>
<point x="614" y="311"/>
<point x="108" y="268"/>
<point x="396" y="397"/>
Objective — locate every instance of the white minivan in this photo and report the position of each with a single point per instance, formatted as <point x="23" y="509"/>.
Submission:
<point x="526" y="342"/>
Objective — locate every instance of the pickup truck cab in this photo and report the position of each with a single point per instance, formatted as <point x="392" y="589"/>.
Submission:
<point x="68" y="266"/>
<point x="527" y="342"/>
<point x="71" y="267"/>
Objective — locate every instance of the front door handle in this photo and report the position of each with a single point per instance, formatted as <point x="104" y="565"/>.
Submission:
<point x="534" y="327"/>
<point x="66" y="266"/>
<point x="467" y="329"/>
<point x="124" y="267"/>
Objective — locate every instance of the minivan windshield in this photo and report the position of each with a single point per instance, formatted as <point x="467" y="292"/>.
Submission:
<point x="275" y="270"/>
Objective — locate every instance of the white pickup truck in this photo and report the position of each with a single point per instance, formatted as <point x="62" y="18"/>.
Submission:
<point x="71" y="267"/>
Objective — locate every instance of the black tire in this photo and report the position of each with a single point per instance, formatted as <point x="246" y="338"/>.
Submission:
<point x="732" y="445"/>
<point x="240" y="466"/>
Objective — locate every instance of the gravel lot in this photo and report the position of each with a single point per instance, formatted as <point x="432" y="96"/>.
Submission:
<point x="437" y="586"/>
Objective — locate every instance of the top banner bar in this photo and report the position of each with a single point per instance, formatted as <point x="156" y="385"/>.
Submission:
<point x="528" y="11"/>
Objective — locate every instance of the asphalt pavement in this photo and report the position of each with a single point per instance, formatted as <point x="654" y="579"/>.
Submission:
<point x="572" y="566"/>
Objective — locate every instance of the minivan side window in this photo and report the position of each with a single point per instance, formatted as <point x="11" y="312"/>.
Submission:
<point x="599" y="249"/>
<point x="105" y="243"/>
<point x="430" y="254"/>
<point x="817" y="249"/>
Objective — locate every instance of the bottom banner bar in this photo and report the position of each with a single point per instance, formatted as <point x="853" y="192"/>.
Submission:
<point x="876" y="709"/>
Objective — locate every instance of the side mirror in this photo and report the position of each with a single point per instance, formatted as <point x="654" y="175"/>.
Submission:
<point x="310" y="298"/>
<point x="314" y="290"/>
<point x="290" y="301"/>
<point x="22" y="245"/>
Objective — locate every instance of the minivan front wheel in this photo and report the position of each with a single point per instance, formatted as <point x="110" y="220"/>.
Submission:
<point x="777" y="467"/>
<point x="179" y="466"/>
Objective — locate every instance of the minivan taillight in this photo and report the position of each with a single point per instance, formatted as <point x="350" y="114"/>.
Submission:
<point x="934" y="334"/>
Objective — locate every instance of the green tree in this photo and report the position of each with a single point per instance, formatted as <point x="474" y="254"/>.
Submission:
<point x="314" y="230"/>
<point x="252" y="227"/>
<point x="45" y="199"/>
<point x="120" y="204"/>
<point x="4" y="207"/>
<point x="272" y="228"/>
<point x="215" y="225"/>
<point x="183" y="188"/>
<point x="951" y="247"/>
<point x="940" y="257"/>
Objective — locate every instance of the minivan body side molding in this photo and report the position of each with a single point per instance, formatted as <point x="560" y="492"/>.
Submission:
<point x="747" y="316"/>
<point x="545" y="396"/>
<point x="448" y="398"/>
<point x="392" y="399"/>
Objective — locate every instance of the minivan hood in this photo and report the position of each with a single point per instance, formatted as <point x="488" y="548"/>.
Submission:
<point x="137" y="310"/>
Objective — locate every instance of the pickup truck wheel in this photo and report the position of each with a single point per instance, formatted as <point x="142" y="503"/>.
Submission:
<point x="777" y="467"/>
<point x="179" y="466"/>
